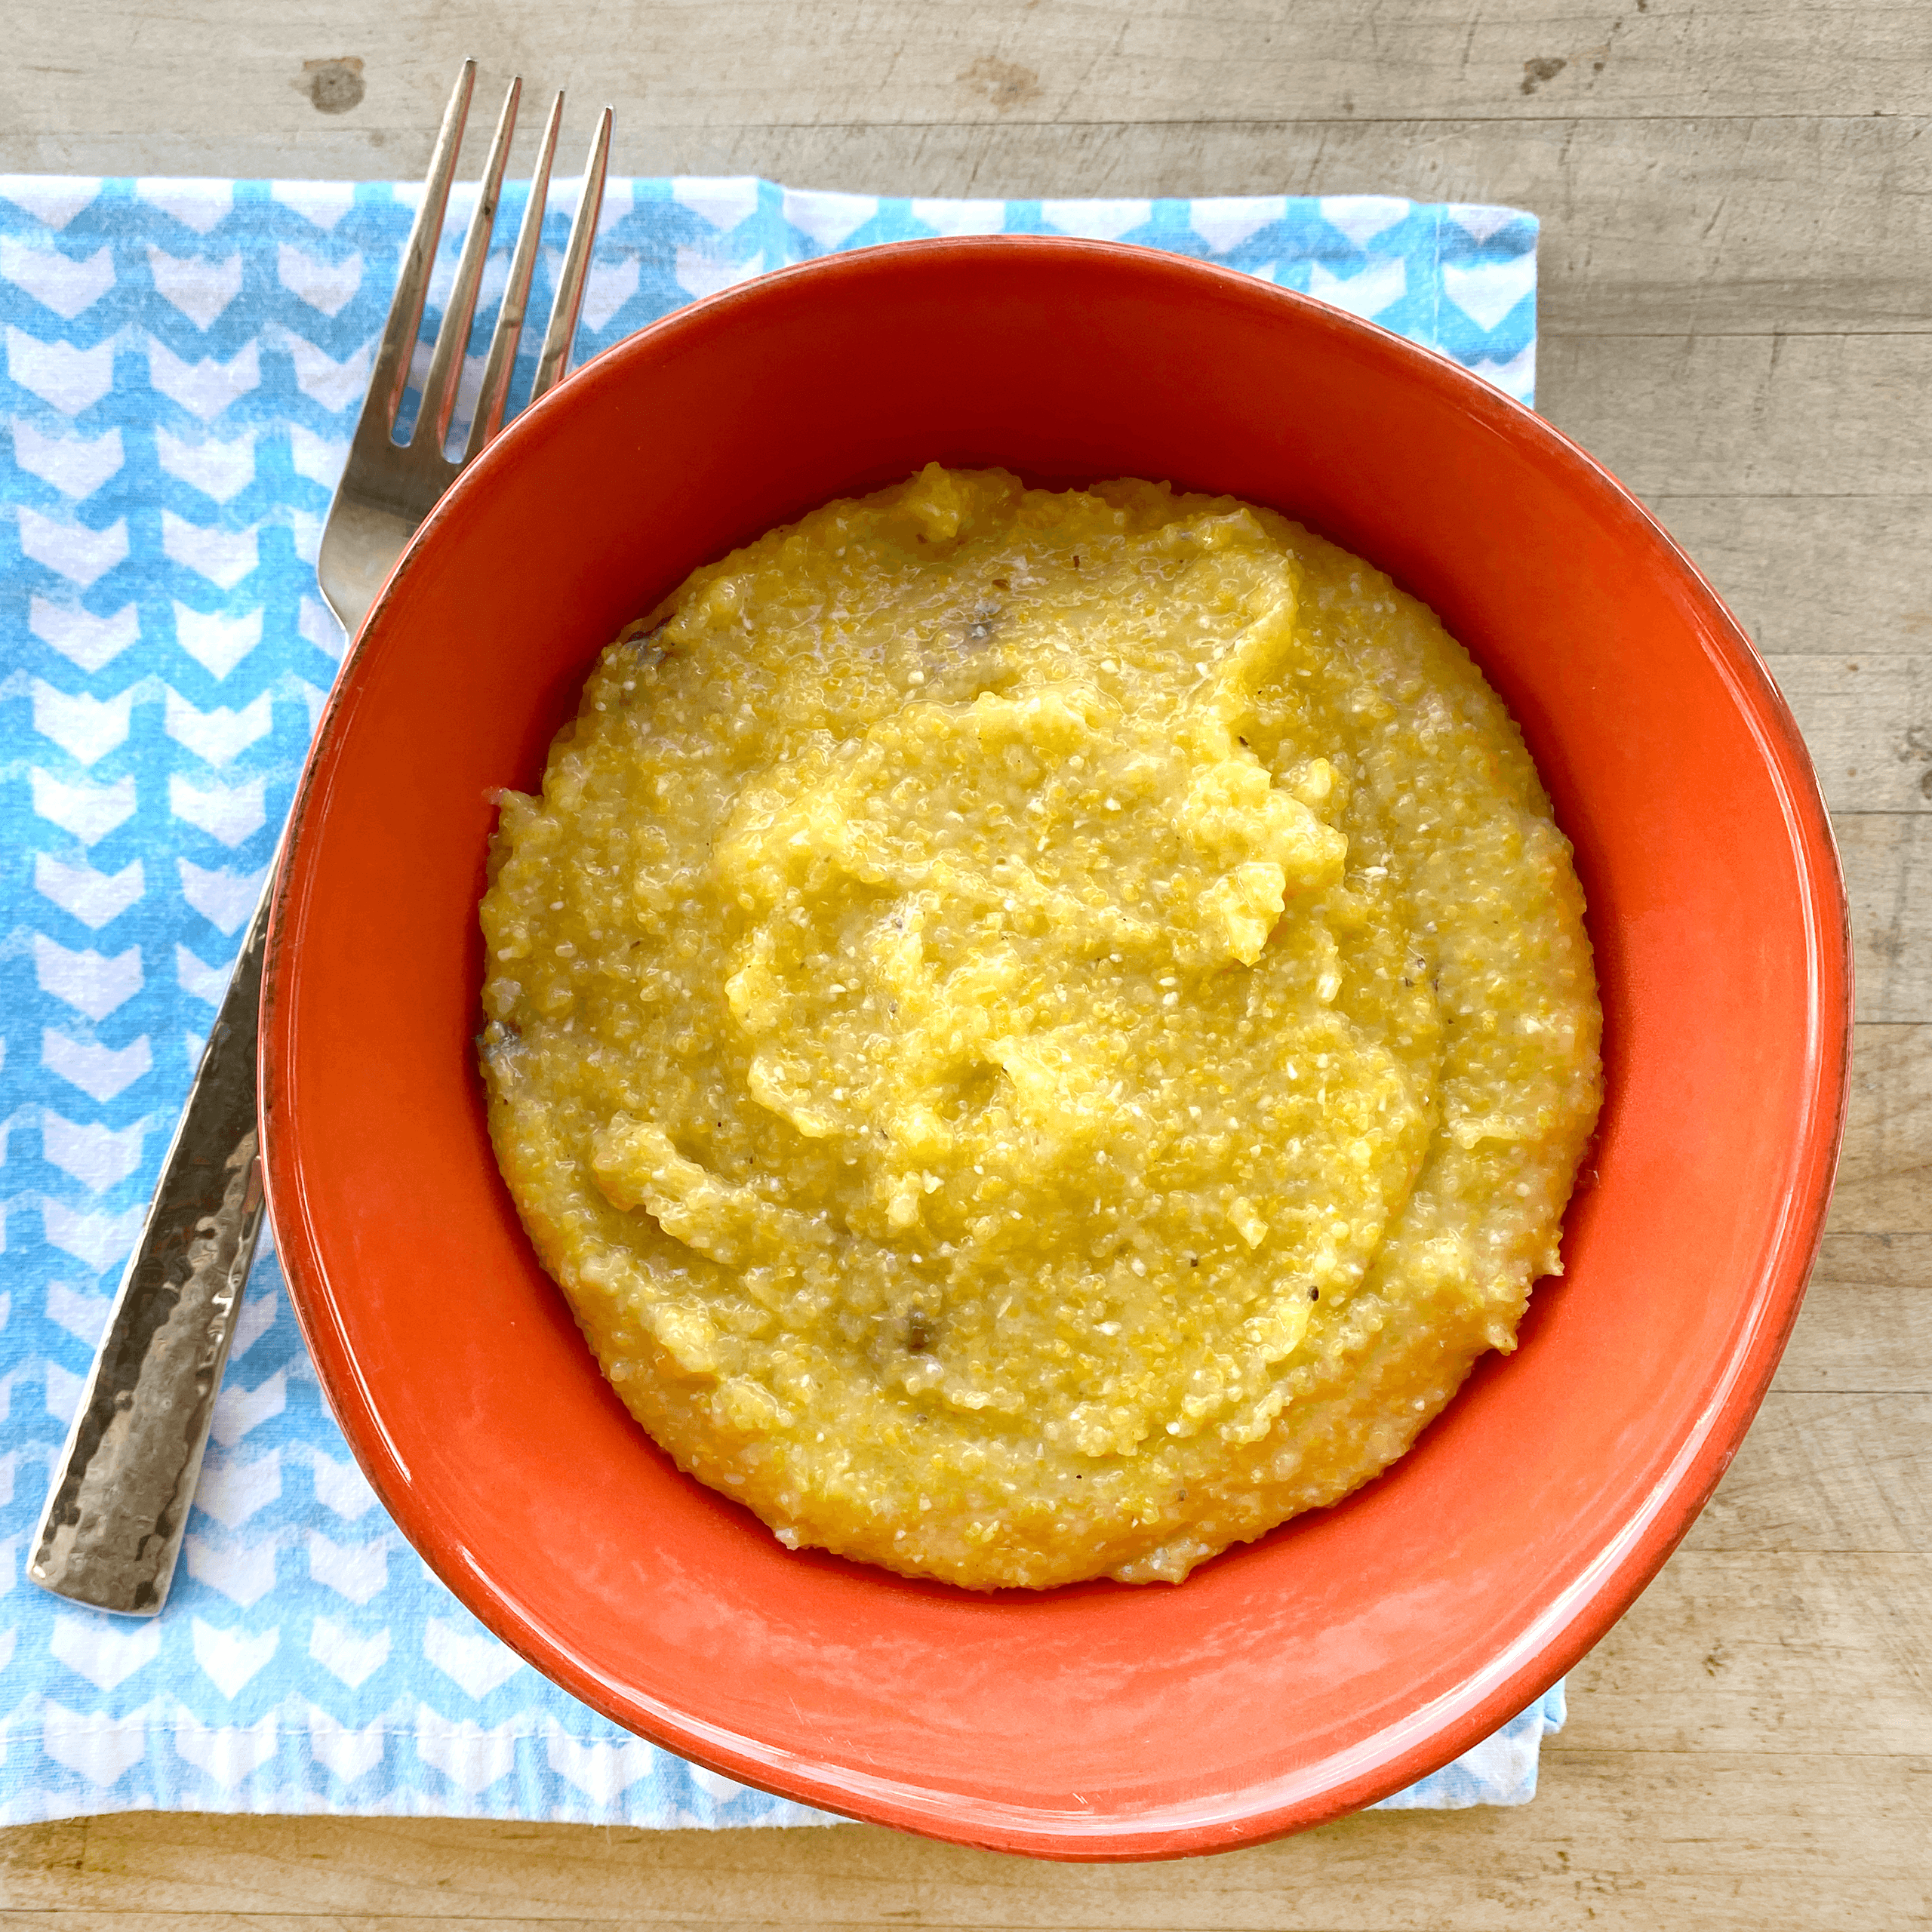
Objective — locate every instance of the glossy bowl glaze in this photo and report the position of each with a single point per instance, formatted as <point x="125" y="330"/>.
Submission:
<point x="1352" y="1650"/>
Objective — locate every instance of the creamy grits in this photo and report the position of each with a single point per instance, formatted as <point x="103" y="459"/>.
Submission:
<point x="1040" y="1034"/>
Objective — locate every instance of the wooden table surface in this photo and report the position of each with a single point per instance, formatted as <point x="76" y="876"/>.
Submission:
<point x="1736" y="202"/>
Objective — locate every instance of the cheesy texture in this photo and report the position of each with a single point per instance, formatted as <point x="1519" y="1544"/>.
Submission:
<point x="1042" y="1034"/>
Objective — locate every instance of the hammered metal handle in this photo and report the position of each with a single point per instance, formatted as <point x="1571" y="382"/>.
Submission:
<point x="119" y="1496"/>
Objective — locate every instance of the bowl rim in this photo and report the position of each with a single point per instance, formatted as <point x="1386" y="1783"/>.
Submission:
<point x="1569" y="1627"/>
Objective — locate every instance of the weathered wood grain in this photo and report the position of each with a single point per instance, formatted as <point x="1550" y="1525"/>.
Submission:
<point x="1828" y="1475"/>
<point x="1887" y="859"/>
<point x="858" y="62"/>
<point x="1867" y="719"/>
<point x="1834" y="416"/>
<point x="1727" y="1651"/>
<point x="35" y="1858"/>
<point x="1866" y="1326"/>
<point x="1815" y="576"/>
<point x="1885" y="1184"/>
<point x="1617" y="1840"/>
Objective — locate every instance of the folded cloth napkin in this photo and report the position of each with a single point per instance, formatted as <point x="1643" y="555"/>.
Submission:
<point x="184" y="362"/>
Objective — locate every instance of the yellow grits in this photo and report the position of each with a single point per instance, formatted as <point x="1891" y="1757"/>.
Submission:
<point x="1041" y="1035"/>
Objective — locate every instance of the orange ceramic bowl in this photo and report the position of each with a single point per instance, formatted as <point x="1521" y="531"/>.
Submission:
<point x="1352" y="1650"/>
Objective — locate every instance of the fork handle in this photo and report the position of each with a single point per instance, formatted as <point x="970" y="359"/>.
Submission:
<point x="118" y="1498"/>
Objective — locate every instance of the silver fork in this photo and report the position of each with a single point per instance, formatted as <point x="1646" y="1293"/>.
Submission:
<point x="119" y="1495"/>
<point x="387" y="490"/>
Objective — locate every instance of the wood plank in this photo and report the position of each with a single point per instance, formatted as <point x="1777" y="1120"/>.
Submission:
<point x="1885" y="1184"/>
<point x="1838" y="416"/>
<point x="1887" y="859"/>
<point x="1726" y="1841"/>
<point x="765" y="62"/>
<point x="1868" y="721"/>
<point x="1812" y="576"/>
<point x="1650" y="226"/>
<point x="1866" y="1325"/>
<point x="1836" y="1475"/>
<point x="1734" y="1651"/>
<point x="35" y="1856"/>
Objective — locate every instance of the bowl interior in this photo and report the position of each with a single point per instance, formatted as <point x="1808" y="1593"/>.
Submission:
<point x="1352" y="1650"/>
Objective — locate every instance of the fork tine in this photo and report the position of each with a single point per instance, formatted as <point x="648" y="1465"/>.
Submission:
<point x="391" y="374"/>
<point x="497" y="372"/>
<point x="554" y="364"/>
<point x="439" y="386"/>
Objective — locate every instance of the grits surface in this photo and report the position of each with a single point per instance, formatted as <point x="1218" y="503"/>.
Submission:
<point x="1041" y="1033"/>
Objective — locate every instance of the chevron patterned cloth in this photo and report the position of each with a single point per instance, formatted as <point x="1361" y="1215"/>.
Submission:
<point x="183" y="364"/>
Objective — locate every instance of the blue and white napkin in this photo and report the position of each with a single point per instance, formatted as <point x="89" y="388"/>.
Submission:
<point x="182" y="364"/>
